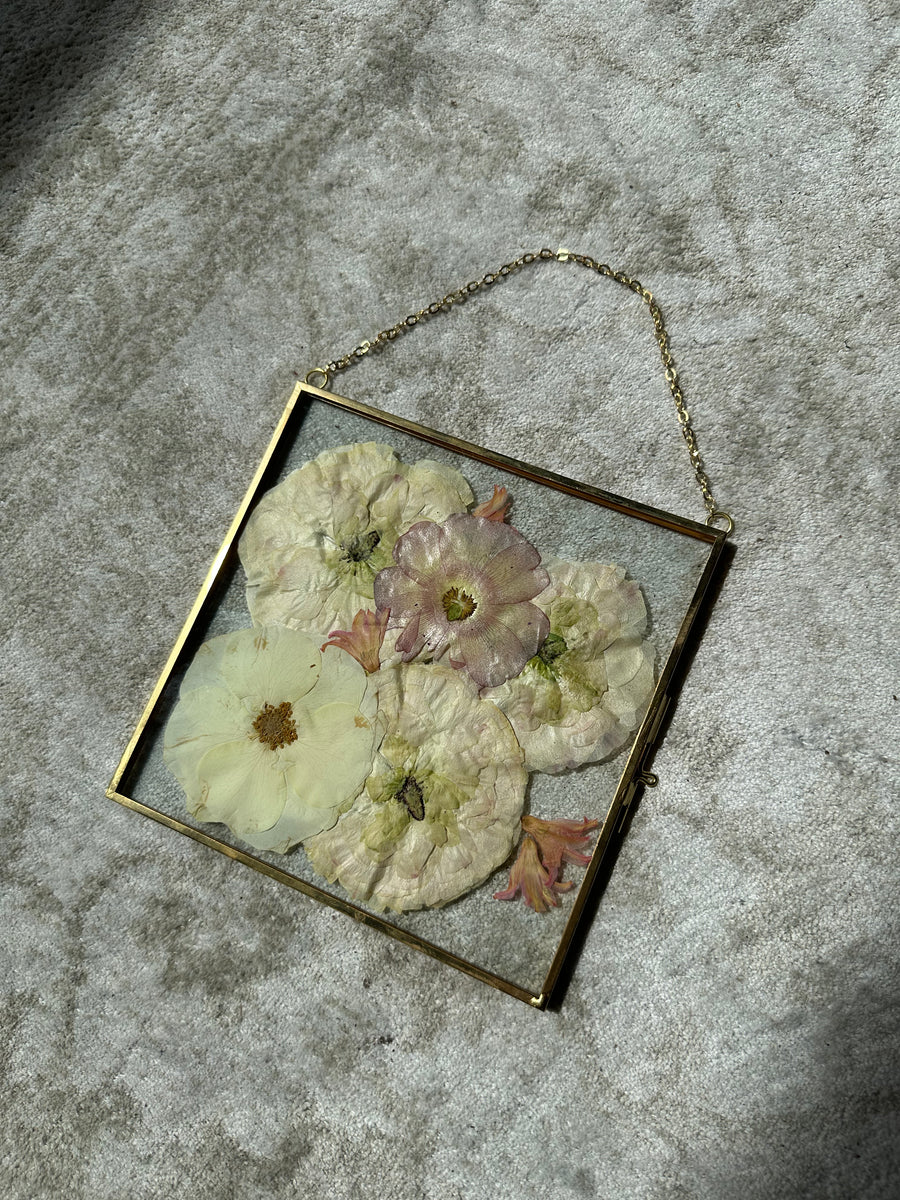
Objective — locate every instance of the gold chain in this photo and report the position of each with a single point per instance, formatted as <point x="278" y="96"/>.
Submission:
<point x="319" y="376"/>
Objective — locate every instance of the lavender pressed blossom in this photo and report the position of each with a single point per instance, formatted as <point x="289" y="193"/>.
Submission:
<point x="463" y="588"/>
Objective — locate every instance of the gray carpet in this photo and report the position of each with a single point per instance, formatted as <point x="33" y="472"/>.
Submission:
<point x="201" y="201"/>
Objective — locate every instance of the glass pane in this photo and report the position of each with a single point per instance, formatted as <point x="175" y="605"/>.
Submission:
<point x="506" y="939"/>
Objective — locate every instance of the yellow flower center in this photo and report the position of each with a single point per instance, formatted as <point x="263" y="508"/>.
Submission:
<point x="275" y="725"/>
<point x="457" y="604"/>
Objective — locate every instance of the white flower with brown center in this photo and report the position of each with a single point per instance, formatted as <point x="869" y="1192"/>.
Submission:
<point x="314" y="543"/>
<point x="270" y="736"/>
<point x="440" y="810"/>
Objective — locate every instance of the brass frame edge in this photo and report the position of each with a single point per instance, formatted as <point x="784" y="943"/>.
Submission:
<point x="309" y="889"/>
<point x="632" y="508"/>
<point x="644" y="743"/>
<point x="205" y="588"/>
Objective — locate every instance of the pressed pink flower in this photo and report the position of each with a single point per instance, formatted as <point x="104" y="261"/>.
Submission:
<point x="532" y="879"/>
<point x="463" y="588"/>
<point x="496" y="508"/>
<point x="364" y="640"/>
<point x="560" y="841"/>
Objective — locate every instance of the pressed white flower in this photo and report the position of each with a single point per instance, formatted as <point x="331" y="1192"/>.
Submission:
<point x="585" y="692"/>
<point x="316" y="541"/>
<point x="270" y="736"/>
<point x="440" y="810"/>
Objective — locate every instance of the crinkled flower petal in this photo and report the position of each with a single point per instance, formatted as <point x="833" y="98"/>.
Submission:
<point x="464" y="588"/>
<point x="530" y="878"/>
<point x="584" y="693"/>
<point x="314" y="543"/>
<point x="270" y="737"/>
<point x="440" y="810"/>
<point x="560" y="841"/>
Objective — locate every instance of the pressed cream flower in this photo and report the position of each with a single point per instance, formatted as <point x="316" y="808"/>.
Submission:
<point x="314" y="543"/>
<point x="440" y="810"/>
<point x="464" y="588"/>
<point x="269" y="736"/>
<point x="586" y="690"/>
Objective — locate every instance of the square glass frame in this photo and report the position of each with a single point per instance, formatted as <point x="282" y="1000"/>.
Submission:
<point x="673" y="559"/>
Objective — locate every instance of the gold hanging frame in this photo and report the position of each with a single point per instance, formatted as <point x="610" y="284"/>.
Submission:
<point x="635" y="773"/>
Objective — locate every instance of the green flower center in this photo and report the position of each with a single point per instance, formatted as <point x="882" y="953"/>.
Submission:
<point x="275" y="725"/>
<point x="359" y="548"/>
<point x="457" y="604"/>
<point x="553" y="647"/>
<point x="429" y="799"/>
<point x="410" y="796"/>
<point x="544" y="662"/>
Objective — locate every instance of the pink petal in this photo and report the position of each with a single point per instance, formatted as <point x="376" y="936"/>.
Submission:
<point x="529" y="877"/>
<point x="496" y="508"/>
<point x="514" y="574"/>
<point x="483" y="539"/>
<point x="364" y="640"/>
<point x="394" y="589"/>
<point x="560" y="841"/>
<point x="408" y="642"/>
<point x="421" y="551"/>
<point x="491" y="652"/>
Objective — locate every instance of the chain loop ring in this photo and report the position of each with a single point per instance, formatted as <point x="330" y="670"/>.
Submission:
<point x="317" y="372"/>
<point x="719" y="515"/>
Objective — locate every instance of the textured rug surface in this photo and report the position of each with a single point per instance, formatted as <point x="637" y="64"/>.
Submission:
<point x="201" y="202"/>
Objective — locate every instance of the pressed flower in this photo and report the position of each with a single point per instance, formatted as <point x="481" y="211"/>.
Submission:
<point x="585" y="691"/>
<point x="440" y="810"/>
<point x="560" y="841"/>
<point x="496" y="508"/>
<point x="364" y="640"/>
<point x="464" y="588"/>
<point x="315" y="542"/>
<point x="531" y="878"/>
<point x="269" y="736"/>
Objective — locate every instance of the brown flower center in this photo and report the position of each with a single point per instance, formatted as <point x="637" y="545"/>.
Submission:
<point x="275" y="725"/>
<point x="410" y="795"/>
<point x="457" y="604"/>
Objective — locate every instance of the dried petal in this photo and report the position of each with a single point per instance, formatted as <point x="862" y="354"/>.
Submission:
<point x="364" y="640"/>
<point x="496" y="508"/>
<point x="560" y="841"/>
<point x="528" y="876"/>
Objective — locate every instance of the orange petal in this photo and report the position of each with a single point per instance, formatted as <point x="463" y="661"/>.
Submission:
<point x="529" y="877"/>
<point x="364" y="640"/>
<point x="496" y="508"/>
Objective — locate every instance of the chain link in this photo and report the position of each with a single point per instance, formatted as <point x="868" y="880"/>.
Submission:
<point x="320" y="376"/>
